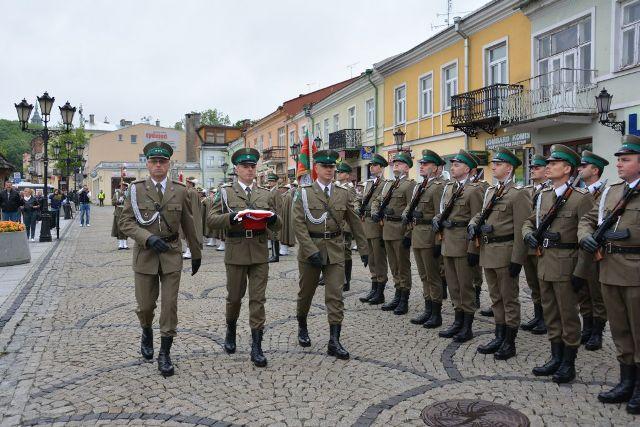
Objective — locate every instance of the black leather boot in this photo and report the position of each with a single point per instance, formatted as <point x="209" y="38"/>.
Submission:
<point x="257" y="357"/>
<point x="424" y="316"/>
<point x="624" y="389"/>
<point x="633" y="407"/>
<point x="435" y="320"/>
<point x="334" y="348"/>
<point x="403" y="305"/>
<point x="486" y="312"/>
<point x="348" y="265"/>
<point x="391" y="305"/>
<point x="567" y="370"/>
<point x="508" y="348"/>
<point x="303" y="332"/>
<point x="595" y="340"/>
<point x="378" y="297"/>
<point x="493" y="345"/>
<point x="540" y="328"/>
<point x="587" y="327"/>
<point x="466" y="332"/>
<point x="146" y="343"/>
<point x="372" y="292"/>
<point x="455" y="326"/>
<point x="230" y="338"/>
<point x="552" y="365"/>
<point x="164" y="357"/>
<point x="537" y="314"/>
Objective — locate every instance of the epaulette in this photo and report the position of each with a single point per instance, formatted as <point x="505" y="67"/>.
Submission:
<point x="228" y="184"/>
<point x="528" y="186"/>
<point x="448" y="183"/>
<point x="178" y="182"/>
<point x="139" y="181"/>
<point x="306" y="185"/>
<point x="474" y="184"/>
<point x="343" y="186"/>
<point x="263" y="188"/>
<point x="617" y="183"/>
<point x="582" y="190"/>
<point x="547" y="189"/>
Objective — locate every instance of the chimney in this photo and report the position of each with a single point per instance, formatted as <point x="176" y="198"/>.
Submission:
<point x="192" y="122"/>
<point x="92" y="119"/>
<point x="158" y="123"/>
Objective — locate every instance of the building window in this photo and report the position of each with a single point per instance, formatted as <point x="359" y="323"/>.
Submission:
<point x="325" y="135"/>
<point x="260" y="144"/>
<point x="281" y="137"/>
<point x="630" y="54"/>
<point x="142" y="158"/>
<point x="496" y="60"/>
<point x="449" y="85"/>
<point x="336" y="122"/>
<point x="401" y="104"/>
<point x="426" y="95"/>
<point x="210" y="162"/>
<point x="370" y="108"/>
<point x="317" y="133"/>
<point x="292" y="137"/>
<point x="351" y="113"/>
<point x="120" y="137"/>
<point x="134" y="139"/>
<point x="270" y="140"/>
<point x="211" y="182"/>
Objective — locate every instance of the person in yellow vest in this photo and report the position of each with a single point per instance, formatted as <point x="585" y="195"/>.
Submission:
<point x="101" y="197"/>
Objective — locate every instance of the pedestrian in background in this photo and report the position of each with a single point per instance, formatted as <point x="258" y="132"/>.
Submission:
<point x="101" y="197"/>
<point x="55" y="203"/>
<point x="30" y="210"/>
<point x="84" y="198"/>
<point x="10" y="202"/>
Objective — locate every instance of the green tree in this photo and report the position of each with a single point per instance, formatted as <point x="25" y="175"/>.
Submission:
<point x="179" y="125"/>
<point x="214" y="117"/>
<point x="77" y="138"/>
<point x="14" y="142"/>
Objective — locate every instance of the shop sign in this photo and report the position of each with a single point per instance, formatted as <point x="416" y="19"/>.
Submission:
<point x="509" y="141"/>
<point x="366" y="153"/>
<point x="633" y="124"/>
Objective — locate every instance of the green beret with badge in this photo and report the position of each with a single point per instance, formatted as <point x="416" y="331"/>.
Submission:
<point x="564" y="153"/>
<point x="589" y="158"/>
<point x="245" y="155"/>
<point x="403" y="157"/>
<point x="430" y="156"/>
<point x="377" y="159"/>
<point x="158" y="149"/>
<point x="504" y="155"/>
<point x="272" y="177"/>
<point x="630" y="145"/>
<point x="465" y="157"/>
<point x="326" y="157"/>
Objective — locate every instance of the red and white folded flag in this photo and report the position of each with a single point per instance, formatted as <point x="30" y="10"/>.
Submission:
<point x="253" y="219"/>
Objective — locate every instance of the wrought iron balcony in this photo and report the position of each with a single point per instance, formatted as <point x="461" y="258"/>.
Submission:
<point x="346" y="139"/>
<point x="274" y="154"/>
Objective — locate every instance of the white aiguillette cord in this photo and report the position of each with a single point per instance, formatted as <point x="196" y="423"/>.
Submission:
<point x="136" y="210"/>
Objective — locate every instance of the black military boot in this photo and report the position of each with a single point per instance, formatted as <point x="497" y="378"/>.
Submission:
<point x="537" y="314"/>
<point x="403" y="305"/>
<point x="378" y="297"/>
<point x="595" y="340"/>
<point x="455" y="326"/>
<point x="633" y="407"/>
<point x="552" y="365"/>
<point x="624" y="389"/>
<point x="493" y="345"/>
<point x="540" y="328"/>
<point x="230" y="338"/>
<point x="164" y="357"/>
<point x="587" y="327"/>
<point x="444" y="288"/>
<point x="257" y="357"/>
<point x="334" y="348"/>
<point x="567" y="370"/>
<point x="303" y="332"/>
<point x="391" y="305"/>
<point x="424" y="316"/>
<point x="435" y="320"/>
<point x="372" y="292"/>
<point x="275" y="251"/>
<point x="486" y="312"/>
<point x="466" y="332"/>
<point x="146" y="343"/>
<point x="508" y="348"/>
<point x="348" y="265"/>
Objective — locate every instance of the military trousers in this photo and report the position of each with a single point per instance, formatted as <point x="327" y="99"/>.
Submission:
<point x="399" y="263"/>
<point x="531" y="273"/>
<point x="590" y="298"/>
<point x="459" y="277"/>
<point x="147" y="289"/>
<point x="504" y="291"/>
<point x="348" y="242"/>
<point x="429" y="271"/>
<point x="256" y="275"/>
<point x="560" y="311"/>
<point x="623" y="309"/>
<point x="378" y="266"/>
<point x="477" y="276"/>
<point x="333" y="275"/>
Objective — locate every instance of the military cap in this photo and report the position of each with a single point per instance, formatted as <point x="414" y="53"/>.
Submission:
<point x="403" y="157"/>
<point x="562" y="152"/>
<point x="538" y="160"/>
<point x="344" y="167"/>
<point x="377" y="159"/>
<point x="630" y="145"/>
<point x="326" y="157"/>
<point x="245" y="155"/>
<point x="504" y="155"/>
<point x="465" y="157"/>
<point x="589" y="158"/>
<point x="475" y="158"/>
<point x="192" y="180"/>
<point x="429" y="156"/>
<point x="272" y="176"/>
<point x="158" y="149"/>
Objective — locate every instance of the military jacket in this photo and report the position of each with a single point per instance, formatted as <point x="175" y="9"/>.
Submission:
<point x="422" y="235"/>
<point x="465" y="207"/>
<point x="196" y="208"/>
<point x="372" y="229"/>
<point x="393" y="228"/>
<point x="353" y="196"/>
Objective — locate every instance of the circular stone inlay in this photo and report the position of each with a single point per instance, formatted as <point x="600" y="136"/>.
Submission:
<point x="467" y="412"/>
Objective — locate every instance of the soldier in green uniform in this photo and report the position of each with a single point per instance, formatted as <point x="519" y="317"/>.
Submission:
<point x="498" y="231"/>
<point x="536" y="325"/>
<point x="460" y="256"/>
<point x="618" y="270"/>
<point x="117" y="200"/>
<point x="194" y="197"/>
<point x="246" y="253"/>
<point x="343" y="177"/>
<point x="153" y="213"/>
<point x="378" y="266"/>
<point x="287" y="235"/>
<point x="426" y="198"/>
<point x="207" y="204"/>
<point x="274" y="237"/>
<point x="319" y="211"/>
<point x="560" y="263"/>
<point x="397" y="237"/>
<point x="592" y="310"/>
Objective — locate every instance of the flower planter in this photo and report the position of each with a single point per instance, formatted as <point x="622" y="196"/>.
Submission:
<point x="14" y="248"/>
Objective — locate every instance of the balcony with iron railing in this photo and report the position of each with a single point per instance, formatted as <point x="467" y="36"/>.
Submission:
<point x="274" y="154"/>
<point x="346" y="139"/>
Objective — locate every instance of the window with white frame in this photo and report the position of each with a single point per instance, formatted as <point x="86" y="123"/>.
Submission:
<point x="325" y="124"/>
<point x="210" y="161"/>
<point x="370" y="108"/>
<point x="292" y="137"/>
<point x="449" y="85"/>
<point x="281" y="137"/>
<point x="496" y="60"/>
<point x="400" y="104"/>
<point x="426" y="95"/>
<point x="351" y="112"/>
<point x="260" y="143"/>
<point x="630" y="35"/>
<point x="316" y="132"/>
<point x="211" y="182"/>
<point x="336" y="122"/>
<point x="270" y="140"/>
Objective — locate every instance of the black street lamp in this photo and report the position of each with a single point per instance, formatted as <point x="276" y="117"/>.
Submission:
<point x="224" y="167"/>
<point x="24" y="112"/>
<point x="295" y="151"/>
<point x="398" y="138"/>
<point x="318" y="142"/>
<point x="603" y="105"/>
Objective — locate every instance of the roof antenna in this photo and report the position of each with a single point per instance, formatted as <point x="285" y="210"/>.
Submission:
<point x="447" y="16"/>
<point x="350" y="67"/>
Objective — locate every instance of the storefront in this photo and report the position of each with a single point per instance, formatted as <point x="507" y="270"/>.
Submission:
<point x="520" y="144"/>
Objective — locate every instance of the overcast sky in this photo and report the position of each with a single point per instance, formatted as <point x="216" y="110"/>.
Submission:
<point x="161" y="58"/>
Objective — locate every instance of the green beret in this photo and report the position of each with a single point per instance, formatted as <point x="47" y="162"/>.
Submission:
<point x="272" y="176"/>
<point x="429" y="156"/>
<point x="245" y="155"/>
<point x="504" y="155"/>
<point x="630" y="145"/>
<point x="562" y="152"/>
<point x="158" y="149"/>
<point x="465" y="157"/>
<point x="403" y="157"/>
<point x="589" y="158"/>
<point x="327" y="157"/>
<point x="377" y="159"/>
<point x="538" y="160"/>
<point x="344" y="167"/>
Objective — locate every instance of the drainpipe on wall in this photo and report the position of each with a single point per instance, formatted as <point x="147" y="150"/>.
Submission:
<point x="456" y="23"/>
<point x="369" y="72"/>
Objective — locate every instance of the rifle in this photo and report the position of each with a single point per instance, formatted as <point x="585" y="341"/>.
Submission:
<point x="598" y="190"/>
<point x="484" y="215"/>
<point x="416" y="197"/>
<point x="600" y="235"/>
<point x="387" y="199"/>
<point x="449" y="207"/>
<point x="368" y="197"/>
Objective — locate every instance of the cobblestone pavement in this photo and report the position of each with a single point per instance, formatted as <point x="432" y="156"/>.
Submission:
<point x="69" y="343"/>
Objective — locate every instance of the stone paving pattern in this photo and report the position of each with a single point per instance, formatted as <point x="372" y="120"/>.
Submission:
<point x="69" y="355"/>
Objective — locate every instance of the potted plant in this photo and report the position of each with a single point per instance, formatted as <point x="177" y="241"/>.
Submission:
<point x="14" y="248"/>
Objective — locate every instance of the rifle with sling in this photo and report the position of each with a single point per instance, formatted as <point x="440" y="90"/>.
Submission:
<point x="416" y="198"/>
<point x="455" y="196"/>
<point x="367" y="198"/>
<point x="387" y="199"/>
<point x="484" y="215"/>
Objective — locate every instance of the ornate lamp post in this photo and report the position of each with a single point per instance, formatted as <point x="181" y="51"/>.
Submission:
<point x="294" y="149"/>
<point x="603" y="104"/>
<point x="398" y="139"/>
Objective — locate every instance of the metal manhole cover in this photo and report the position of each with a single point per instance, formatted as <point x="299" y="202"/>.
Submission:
<point x="467" y="412"/>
